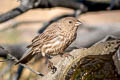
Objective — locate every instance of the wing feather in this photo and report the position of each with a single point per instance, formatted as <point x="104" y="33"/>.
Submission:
<point x="46" y="36"/>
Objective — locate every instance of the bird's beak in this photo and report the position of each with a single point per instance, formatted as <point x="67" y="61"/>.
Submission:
<point x="78" y="23"/>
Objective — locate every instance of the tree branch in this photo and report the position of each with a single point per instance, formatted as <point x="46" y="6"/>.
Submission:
<point x="15" y="59"/>
<point x="13" y="13"/>
<point x="33" y="4"/>
<point x="65" y="64"/>
<point x="24" y="65"/>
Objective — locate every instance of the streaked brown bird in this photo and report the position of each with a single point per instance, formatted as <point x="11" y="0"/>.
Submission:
<point x="54" y="40"/>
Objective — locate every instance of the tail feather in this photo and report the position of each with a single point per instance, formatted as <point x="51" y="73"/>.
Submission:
<point x="26" y="58"/>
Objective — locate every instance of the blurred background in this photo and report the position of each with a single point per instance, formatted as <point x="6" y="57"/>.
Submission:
<point x="100" y="18"/>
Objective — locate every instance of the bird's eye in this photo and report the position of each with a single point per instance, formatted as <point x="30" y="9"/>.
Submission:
<point x="70" y="22"/>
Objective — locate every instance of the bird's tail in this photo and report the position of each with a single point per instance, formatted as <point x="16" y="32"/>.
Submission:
<point x="26" y="58"/>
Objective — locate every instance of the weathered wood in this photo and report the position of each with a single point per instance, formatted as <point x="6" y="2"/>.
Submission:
<point x="63" y="66"/>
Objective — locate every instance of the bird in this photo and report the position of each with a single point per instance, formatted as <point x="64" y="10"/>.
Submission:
<point x="54" y="40"/>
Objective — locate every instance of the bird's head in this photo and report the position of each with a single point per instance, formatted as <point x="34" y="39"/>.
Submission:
<point x="69" y="23"/>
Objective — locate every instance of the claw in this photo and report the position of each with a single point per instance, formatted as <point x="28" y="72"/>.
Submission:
<point x="51" y="66"/>
<point x="54" y="69"/>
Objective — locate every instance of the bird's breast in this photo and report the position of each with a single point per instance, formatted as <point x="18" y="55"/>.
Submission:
<point x="58" y="44"/>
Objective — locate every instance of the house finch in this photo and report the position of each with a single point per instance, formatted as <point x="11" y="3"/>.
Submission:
<point x="54" y="40"/>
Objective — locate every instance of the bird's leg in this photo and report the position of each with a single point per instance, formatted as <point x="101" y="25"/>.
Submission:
<point x="49" y="57"/>
<point x="50" y="65"/>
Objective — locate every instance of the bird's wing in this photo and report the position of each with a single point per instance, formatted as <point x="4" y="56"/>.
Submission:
<point x="46" y="36"/>
<point x="37" y="42"/>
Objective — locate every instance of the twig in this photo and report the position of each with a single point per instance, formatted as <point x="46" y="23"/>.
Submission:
<point x="6" y="69"/>
<point x="13" y="13"/>
<point x="14" y="59"/>
<point x="17" y="75"/>
<point x="38" y="73"/>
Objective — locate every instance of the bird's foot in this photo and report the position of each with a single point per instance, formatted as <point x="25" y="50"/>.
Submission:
<point x="67" y="55"/>
<point x="49" y="57"/>
<point x="51" y="66"/>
